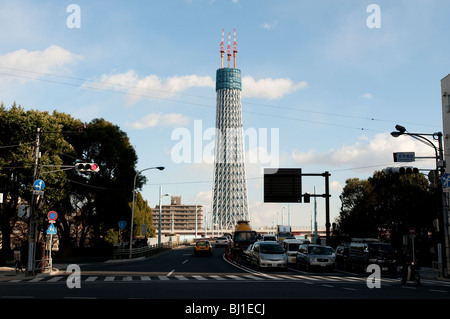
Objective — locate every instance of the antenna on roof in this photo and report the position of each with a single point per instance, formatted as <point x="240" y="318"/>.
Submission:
<point x="229" y="49"/>
<point x="222" y="51"/>
<point x="234" y="49"/>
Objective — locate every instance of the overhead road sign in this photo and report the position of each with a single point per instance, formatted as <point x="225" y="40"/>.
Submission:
<point x="282" y="185"/>
<point x="404" y="157"/>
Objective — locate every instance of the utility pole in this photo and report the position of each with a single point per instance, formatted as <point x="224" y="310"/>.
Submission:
<point x="32" y="222"/>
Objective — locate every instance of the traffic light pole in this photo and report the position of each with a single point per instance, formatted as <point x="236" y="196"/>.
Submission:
<point x="440" y="170"/>
<point x="32" y="222"/>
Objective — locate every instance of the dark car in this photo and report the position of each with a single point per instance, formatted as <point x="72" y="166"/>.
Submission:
<point x="363" y="253"/>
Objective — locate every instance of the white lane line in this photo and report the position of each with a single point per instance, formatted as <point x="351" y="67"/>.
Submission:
<point x="181" y="278"/>
<point x="199" y="277"/>
<point x="163" y="278"/>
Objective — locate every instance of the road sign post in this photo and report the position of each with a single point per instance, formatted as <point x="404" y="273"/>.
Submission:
<point x="412" y="235"/>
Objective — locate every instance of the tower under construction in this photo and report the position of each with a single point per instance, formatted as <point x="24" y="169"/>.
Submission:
<point x="230" y="202"/>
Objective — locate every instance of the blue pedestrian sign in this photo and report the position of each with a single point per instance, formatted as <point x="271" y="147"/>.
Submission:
<point x="39" y="185"/>
<point x="51" y="230"/>
<point x="446" y="180"/>
<point x="122" y="224"/>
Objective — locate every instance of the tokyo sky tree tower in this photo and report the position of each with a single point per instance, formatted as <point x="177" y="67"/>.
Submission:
<point x="230" y="202"/>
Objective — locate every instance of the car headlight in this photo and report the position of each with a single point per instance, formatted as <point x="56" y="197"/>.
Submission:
<point x="311" y="259"/>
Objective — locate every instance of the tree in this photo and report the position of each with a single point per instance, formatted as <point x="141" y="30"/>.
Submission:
<point x="88" y="204"/>
<point x="386" y="206"/>
<point x="142" y="215"/>
<point x="102" y="198"/>
<point x="18" y="140"/>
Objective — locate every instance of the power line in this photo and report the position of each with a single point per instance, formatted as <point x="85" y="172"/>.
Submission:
<point x="365" y="118"/>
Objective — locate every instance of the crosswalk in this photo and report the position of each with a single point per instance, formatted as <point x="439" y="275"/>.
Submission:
<point x="239" y="277"/>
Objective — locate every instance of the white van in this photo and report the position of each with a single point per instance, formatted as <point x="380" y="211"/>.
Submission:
<point x="291" y="246"/>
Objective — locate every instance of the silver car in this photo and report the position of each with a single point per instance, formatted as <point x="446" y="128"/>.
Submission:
<point x="268" y="254"/>
<point x="314" y="256"/>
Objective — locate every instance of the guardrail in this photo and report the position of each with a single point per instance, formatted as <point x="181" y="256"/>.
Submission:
<point x="146" y="251"/>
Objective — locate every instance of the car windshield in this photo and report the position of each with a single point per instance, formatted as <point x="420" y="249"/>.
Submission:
<point x="271" y="249"/>
<point x="318" y="250"/>
<point x="245" y="236"/>
<point x="381" y="248"/>
<point x="202" y="243"/>
<point x="293" y="247"/>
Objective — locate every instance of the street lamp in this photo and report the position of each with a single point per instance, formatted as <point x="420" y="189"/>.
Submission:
<point x="159" y="222"/>
<point x="440" y="170"/>
<point x="132" y="209"/>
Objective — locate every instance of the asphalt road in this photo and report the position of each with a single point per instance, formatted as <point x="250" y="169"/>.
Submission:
<point x="179" y="275"/>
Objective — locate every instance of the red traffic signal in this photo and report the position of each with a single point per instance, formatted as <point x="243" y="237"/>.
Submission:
<point x="87" y="167"/>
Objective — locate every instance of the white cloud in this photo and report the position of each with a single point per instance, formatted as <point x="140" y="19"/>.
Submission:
<point x="367" y="96"/>
<point x="269" y="26"/>
<point x="52" y="59"/>
<point x="377" y="151"/>
<point x="151" y="86"/>
<point x="269" y="88"/>
<point x="159" y="119"/>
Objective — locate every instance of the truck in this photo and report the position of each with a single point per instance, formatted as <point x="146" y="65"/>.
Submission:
<point x="284" y="232"/>
<point x="243" y="237"/>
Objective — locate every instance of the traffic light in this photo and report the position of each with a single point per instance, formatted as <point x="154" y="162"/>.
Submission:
<point x="401" y="170"/>
<point x="87" y="167"/>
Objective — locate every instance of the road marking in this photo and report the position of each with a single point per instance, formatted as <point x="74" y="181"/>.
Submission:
<point x="36" y="279"/>
<point x="217" y="277"/>
<point x="55" y="279"/>
<point x="163" y="278"/>
<point x="145" y="278"/>
<point x="91" y="278"/>
<point x="235" y="277"/>
<point x="346" y="288"/>
<point x="272" y="277"/>
<point x="110" y="278"/>
<point x="436" y="290"/>
<point x="181" y="278"/>
<point x="199" y="278"/>
<point x="127" y="278"/>
<point x="254" y="277"/>
<point x="185" y="261"/>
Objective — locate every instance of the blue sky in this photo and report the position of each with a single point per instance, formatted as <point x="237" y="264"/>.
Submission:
<point x="314" y="71"/>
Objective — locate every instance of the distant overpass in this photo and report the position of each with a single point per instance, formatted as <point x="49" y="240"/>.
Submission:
<point x="296" y="231"/>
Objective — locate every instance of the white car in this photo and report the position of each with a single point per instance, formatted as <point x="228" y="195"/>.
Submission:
<point x="222" y="241"/>
<point x="268" y="254"/>
<point x="314" y="256"/>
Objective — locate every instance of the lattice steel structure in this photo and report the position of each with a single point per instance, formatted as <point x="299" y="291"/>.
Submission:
<point x="230" y="202"/>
